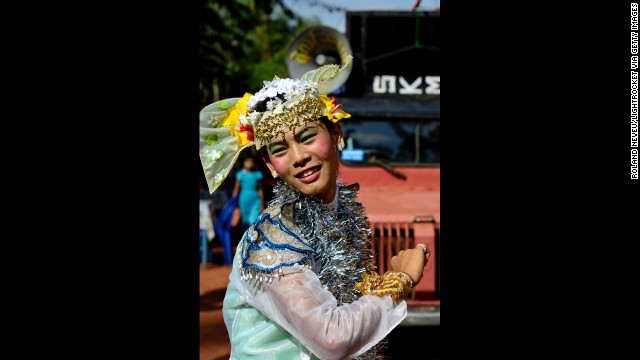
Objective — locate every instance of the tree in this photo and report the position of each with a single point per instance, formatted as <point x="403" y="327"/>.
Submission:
<point x="242" y="43"/>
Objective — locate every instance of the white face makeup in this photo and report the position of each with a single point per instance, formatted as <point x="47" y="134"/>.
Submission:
<point x="307" y="159"/>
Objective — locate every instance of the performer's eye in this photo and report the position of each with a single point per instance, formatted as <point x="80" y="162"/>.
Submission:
<point x="308" y="134"/>
<point x="276" y="148"/>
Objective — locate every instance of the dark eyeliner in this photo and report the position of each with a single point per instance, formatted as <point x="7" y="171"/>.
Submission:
<point x="307" y="133"/>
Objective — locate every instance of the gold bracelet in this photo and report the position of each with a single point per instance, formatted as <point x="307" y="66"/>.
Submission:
<point x="396" y="284"/>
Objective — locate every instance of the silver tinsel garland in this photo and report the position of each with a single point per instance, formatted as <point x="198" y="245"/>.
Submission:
<point x="341" y="241"/>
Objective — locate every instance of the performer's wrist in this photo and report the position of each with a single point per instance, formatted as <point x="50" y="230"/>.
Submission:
<point x="396" y="284"/>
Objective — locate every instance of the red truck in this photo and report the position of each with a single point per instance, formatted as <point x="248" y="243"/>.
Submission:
<point x="401" y="198"/>
<point x="393" y="139"/>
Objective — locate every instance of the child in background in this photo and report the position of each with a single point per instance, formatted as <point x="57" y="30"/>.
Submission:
<point x="248" y="187"/>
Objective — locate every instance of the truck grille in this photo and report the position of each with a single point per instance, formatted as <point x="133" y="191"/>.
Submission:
<point x="389" y="238"/>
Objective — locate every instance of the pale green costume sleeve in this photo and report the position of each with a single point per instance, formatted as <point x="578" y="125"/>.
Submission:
<point x="295" y="317"/>
<point x="251" y="333"/>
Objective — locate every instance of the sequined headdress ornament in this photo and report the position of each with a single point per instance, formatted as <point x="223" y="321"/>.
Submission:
<point x="231" y="125"/>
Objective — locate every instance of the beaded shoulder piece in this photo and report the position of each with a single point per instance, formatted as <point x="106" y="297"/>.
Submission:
<point x="272" y="242"/>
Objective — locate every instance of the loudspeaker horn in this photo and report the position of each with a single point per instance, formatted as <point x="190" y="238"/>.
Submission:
<point x="317" y="46"/>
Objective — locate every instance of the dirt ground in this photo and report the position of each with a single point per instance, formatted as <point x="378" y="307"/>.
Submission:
<point x="214" y="340"/>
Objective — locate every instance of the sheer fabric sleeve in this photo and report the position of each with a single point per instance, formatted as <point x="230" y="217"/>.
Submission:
<point x="298" y="302"/>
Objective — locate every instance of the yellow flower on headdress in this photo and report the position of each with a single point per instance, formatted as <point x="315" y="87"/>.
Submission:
<point x="242" y="103"/>
<point x="231" y="120"/>
<point x="334" y="110"/>
<point x="242" y="137"/>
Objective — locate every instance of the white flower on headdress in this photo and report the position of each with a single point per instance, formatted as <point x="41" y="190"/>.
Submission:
<point x="289" y="88"/>
<point x="211" y="156"/>
<point x="254" y="117"/>
<point x="271" y="92"/>
<point x="244" y="120"/>
<point x="213" y="121"/>
<point x="214" y="154"/>
<point x="271" y="104"/>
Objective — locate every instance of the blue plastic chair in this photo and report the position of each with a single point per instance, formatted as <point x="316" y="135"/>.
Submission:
<point x="223" y="229"/>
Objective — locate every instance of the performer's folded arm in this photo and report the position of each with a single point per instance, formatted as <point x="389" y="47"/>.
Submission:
<point x="298" y="302"/>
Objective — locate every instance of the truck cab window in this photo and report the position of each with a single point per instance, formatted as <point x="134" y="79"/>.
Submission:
<point x="397" y="142"/>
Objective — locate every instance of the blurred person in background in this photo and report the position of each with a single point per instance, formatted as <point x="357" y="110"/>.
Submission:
<point x="248" y="188"/>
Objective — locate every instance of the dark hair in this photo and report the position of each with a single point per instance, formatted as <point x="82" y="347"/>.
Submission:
<point x="248" y="153"/>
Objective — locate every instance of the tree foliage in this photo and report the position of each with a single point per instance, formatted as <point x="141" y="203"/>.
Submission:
<point x="243" y="43"/>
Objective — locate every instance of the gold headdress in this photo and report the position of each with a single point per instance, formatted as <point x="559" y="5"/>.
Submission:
<point x="228" y="126"/>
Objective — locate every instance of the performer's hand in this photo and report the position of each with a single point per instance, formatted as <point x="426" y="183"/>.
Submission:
<point x="410" y="261"/>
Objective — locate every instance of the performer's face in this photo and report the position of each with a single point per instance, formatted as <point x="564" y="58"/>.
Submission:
<point x="307" y="159"/>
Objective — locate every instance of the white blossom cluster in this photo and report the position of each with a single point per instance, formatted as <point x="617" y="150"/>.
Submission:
<point x="251" y="118"/>
<point x="287" y="87"/>
<point x="290" y="88"/>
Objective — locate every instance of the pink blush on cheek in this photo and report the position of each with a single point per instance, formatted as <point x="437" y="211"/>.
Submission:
<point x="323" y="147"/>
<point x="279" y="164"/>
